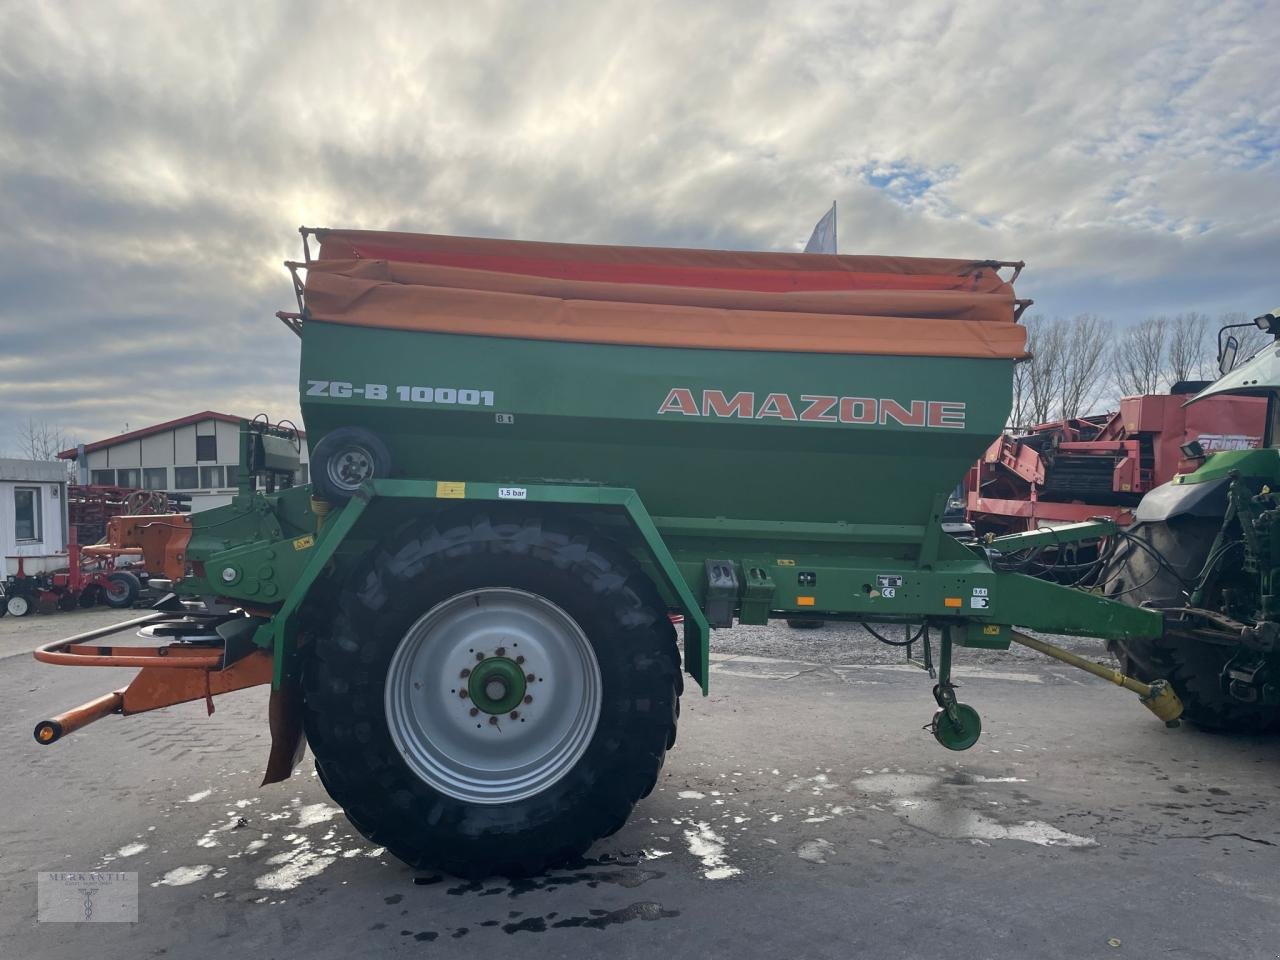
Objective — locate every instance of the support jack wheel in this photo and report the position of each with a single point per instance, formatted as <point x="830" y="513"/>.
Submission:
<point x="957" y="728"/>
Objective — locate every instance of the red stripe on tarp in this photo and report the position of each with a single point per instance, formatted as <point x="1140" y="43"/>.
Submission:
<point x="724" y="278"/>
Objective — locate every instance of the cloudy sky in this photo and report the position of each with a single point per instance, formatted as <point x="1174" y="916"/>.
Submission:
<point x="156" y="159"/>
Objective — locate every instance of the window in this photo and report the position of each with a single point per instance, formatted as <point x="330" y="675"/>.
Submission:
<point x="26" y="502"/>
<point x="210" y="477"/>
<point x="186" y="478"/>
<point x="155" y="478"/>
<point x="207" y="448"/>
<point x="103" y="478"/>
<point x="129" y="478"/>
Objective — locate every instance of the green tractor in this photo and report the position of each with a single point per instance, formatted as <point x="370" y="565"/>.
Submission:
<point x="1204" y="550"/>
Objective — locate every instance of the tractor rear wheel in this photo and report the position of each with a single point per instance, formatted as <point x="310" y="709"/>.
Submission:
<point x="1193" y="668"/>
<point x="495" y="694"/>
<point x="121" y="589"/>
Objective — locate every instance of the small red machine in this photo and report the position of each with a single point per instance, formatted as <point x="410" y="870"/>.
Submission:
<point x="94" y="573"/>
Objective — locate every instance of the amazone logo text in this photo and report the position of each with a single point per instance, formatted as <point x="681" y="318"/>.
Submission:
<point x="816" y="409"/>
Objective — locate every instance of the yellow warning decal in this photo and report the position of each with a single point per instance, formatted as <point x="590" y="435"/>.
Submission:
<point x="804" y="601"/>
<point x="786" y="563"/>
<point x="304" y="543"/>
<point x="451" y="490"/>
<point x="991" y="631"/>
<point x="952" y="602"/>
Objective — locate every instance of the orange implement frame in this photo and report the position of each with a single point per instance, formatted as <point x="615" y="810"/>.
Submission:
<point x="170" y="674"/>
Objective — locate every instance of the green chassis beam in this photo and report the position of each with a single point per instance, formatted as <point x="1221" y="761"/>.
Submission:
<point x="1022" y="600"/>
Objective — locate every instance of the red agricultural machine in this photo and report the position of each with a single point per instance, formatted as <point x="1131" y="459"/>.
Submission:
<point x="1100" y="466"/>
<point x="94" y="573"/>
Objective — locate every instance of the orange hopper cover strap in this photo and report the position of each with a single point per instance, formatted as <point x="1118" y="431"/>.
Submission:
<point x="664" y="297"/>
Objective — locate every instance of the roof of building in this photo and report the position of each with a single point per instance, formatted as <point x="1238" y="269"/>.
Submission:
<point x="157" y="428"/>
<point x="36" y="471"/>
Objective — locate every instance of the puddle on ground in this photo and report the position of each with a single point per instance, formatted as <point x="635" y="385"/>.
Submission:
<point x="815" y="851"/>
<point x="897" y="783"/>
<point x="944" y="818"/>
<point x="594" y="920"/>
<point x="950" y="818"/>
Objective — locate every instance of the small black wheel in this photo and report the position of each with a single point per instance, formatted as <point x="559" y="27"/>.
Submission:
<point x="955" y="735"/>
<point x="344" y="459"/>
<point x="121" y="589"/>
<point x="18" y="605"/>
<point x="495" y="693"/>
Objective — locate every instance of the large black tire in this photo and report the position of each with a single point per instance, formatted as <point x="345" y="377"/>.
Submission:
<point x="121" y="590"/>
<point x="1192" y="667"/>
<point x="592" y="580"/>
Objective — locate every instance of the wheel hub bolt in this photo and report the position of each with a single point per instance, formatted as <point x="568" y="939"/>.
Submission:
<point x="466" y="672"/>
<point x="500" y="652"/>
<point x="520" y="659"/>
<point x="479" y="657"/>
<point x="530" y="677"/>
<point x="494" y="721"/>
<point x="528" y="699"/>
<point x="463" y="694"/>
<point x="515" y="714"/>
<point x="474" y="711"/>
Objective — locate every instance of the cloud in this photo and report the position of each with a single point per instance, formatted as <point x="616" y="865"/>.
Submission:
<point x="156" y="159"/>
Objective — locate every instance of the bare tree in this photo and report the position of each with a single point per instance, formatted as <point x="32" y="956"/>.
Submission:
<point x="1188" y="347"/>
<point x="1084" y="368"/>
<point x="1021" y="390"/>
<point x="1047" y="342"/>
<point x="40" y="440"/>
<point x="1138" y="364"/>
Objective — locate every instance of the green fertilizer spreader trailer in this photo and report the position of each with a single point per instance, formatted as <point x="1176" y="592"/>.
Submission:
<point x="532" y="462"/>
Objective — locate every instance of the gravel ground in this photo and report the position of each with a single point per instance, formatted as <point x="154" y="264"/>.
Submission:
<point x="20" y="635"/>
<point x="836" y="642"/>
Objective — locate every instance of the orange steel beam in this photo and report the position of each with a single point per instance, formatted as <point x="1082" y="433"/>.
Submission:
<point x="160" y="686"/>
<point x="78" y="651"/>
<point x="55" y="728"/>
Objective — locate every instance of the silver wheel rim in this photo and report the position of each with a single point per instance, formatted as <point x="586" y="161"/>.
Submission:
<point x="474" y="754"/>
<point x="350" y="467"/>
<point x="18" y="606"/>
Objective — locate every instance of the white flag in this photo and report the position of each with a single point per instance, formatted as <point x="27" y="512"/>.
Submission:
<point x="824" y="234"/>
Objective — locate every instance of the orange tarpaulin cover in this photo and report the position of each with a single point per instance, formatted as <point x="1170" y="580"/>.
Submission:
<point x="658" y="296"/>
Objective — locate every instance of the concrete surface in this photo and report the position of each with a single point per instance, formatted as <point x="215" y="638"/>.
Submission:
<point x="803" y="813"/>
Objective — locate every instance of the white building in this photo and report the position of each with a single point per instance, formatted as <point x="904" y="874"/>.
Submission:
<point x="197" y="455"/>
<point x="33" y="515"/>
